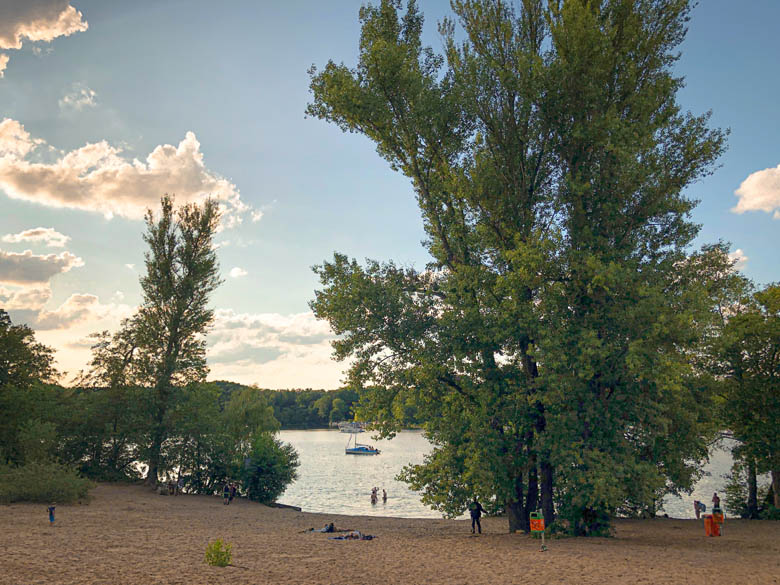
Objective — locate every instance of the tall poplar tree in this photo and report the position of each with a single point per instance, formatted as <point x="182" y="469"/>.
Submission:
<point x="181" y="274"/>
<point x="544" y="344"/>
<point x="163" y="347"/>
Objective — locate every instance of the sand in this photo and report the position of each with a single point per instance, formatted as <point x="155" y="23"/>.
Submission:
<point x="129" y="535"/>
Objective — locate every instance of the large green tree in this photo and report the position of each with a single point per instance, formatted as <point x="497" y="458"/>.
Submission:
<point x="163" y="346"/>
<point x="543" y="345"/>
<point x="25" y="367"/>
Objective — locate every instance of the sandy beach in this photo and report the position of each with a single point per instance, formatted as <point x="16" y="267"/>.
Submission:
<point x="129" y="535"/>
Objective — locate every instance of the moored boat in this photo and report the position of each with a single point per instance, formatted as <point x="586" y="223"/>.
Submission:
<point x="355" y="448"/>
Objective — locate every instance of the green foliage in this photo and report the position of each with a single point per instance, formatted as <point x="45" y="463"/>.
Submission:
<point x="23" y="361"/>
<point x="548" y="346"/>
<point x="747" y="358"/>
<point x="269" y="468"/>
<point x="735" y="499"/>
<point x="163" y="346"/>
<point x="25" y="367"/>
<point x="43" y="482"/>
<point x="218" y="553"/>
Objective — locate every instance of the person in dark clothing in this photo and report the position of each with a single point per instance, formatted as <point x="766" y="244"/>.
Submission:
<point x="226" y="494"/>
<point x="476" y="510"/>
<point x="232" y="492"/>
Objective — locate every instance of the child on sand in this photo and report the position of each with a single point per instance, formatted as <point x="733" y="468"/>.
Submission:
<point x="232" y="492"/>
<point x="226" y="494"/>
<point x="50" y="510"/>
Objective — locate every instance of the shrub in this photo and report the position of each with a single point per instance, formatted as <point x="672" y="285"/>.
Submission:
<point x="770" y="513"/>
<point x="42" y="482"/>
<point x="218" y="553"/>
<point x="269" y="469"/>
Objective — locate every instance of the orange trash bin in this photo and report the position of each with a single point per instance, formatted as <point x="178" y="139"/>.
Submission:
<point x="708" y="525"/>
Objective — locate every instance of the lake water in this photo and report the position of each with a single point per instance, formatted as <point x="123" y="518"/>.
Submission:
<point x="332" y="482"/>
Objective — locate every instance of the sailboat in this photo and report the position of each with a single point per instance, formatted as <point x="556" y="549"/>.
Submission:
<point x="355" y="448"/>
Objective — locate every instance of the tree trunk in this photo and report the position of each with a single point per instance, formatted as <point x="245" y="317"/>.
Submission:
<point x="154" y="455"/>
<point x="515" y="514"/>
<point x="752" y="503"/>
<point x="776" y="487"/>
<point x="154" y="464"/>
<point x="548" y="509"/>
<point x="532" y="500"/>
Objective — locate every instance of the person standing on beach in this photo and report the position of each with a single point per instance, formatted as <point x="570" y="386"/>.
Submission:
<point x="476" y="510"/>
<point x="715" y="500"/>
<point x="226" y="494"/>
<point x="384" y="496"/>
<point x="50" y="510"/>
<point x="232" y="492"/>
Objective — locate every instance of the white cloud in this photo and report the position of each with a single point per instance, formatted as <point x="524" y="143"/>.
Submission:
<point x="79" y="97"/>
<point x="78" y="308"/>
<point x="739" y="258"/>
<point x="273" y="350"/>
<point x="130" y="267"/>
<point x="760" y="192"/>
<point x="96" y="178"/>
<point x="29" y="268"/>
<point x="257" y="215"/>
<point x="3" y="64"/>
<point x="30" y="298"/>
<point x="237" y="272"/>
<point x="67" y="327"/>
<point x="51" y="237"/>
<point x="15" y="141"/>
<point x="36" y="20"/>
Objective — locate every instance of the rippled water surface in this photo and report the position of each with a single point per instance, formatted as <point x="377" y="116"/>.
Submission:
<point x="332" y="482"/>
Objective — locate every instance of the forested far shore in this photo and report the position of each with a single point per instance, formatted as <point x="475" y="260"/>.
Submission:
<point x="303" y="408"/>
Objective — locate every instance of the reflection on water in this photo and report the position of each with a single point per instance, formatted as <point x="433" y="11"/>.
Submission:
<point x="331" y="482"/>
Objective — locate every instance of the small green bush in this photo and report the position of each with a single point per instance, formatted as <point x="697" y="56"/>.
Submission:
<point x="770" y="513"/>
<point x="269" y="469"/>
<point x="218" y="553"/>
<point x="42" y="482"/>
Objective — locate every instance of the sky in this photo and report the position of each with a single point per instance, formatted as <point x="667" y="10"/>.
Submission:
<point x="104" y="106"/>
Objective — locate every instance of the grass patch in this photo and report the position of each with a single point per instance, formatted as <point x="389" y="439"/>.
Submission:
<point x="218" y="553"/>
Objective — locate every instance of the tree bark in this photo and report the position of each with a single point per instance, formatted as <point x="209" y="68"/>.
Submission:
<point x="515" y="515"/>
<point x="548" y="509"/>
<point x="752" y="503"/>
<point x="515" y="510"/>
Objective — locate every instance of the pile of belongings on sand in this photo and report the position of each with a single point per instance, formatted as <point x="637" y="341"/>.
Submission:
<point x="351" y="534"/>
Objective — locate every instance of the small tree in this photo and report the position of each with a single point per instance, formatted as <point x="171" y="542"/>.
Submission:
<point x="750" y="354"/>
<point x="268" y="470"/>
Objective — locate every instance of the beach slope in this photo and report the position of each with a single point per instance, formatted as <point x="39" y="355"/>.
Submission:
<point x="129" y="535"/>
